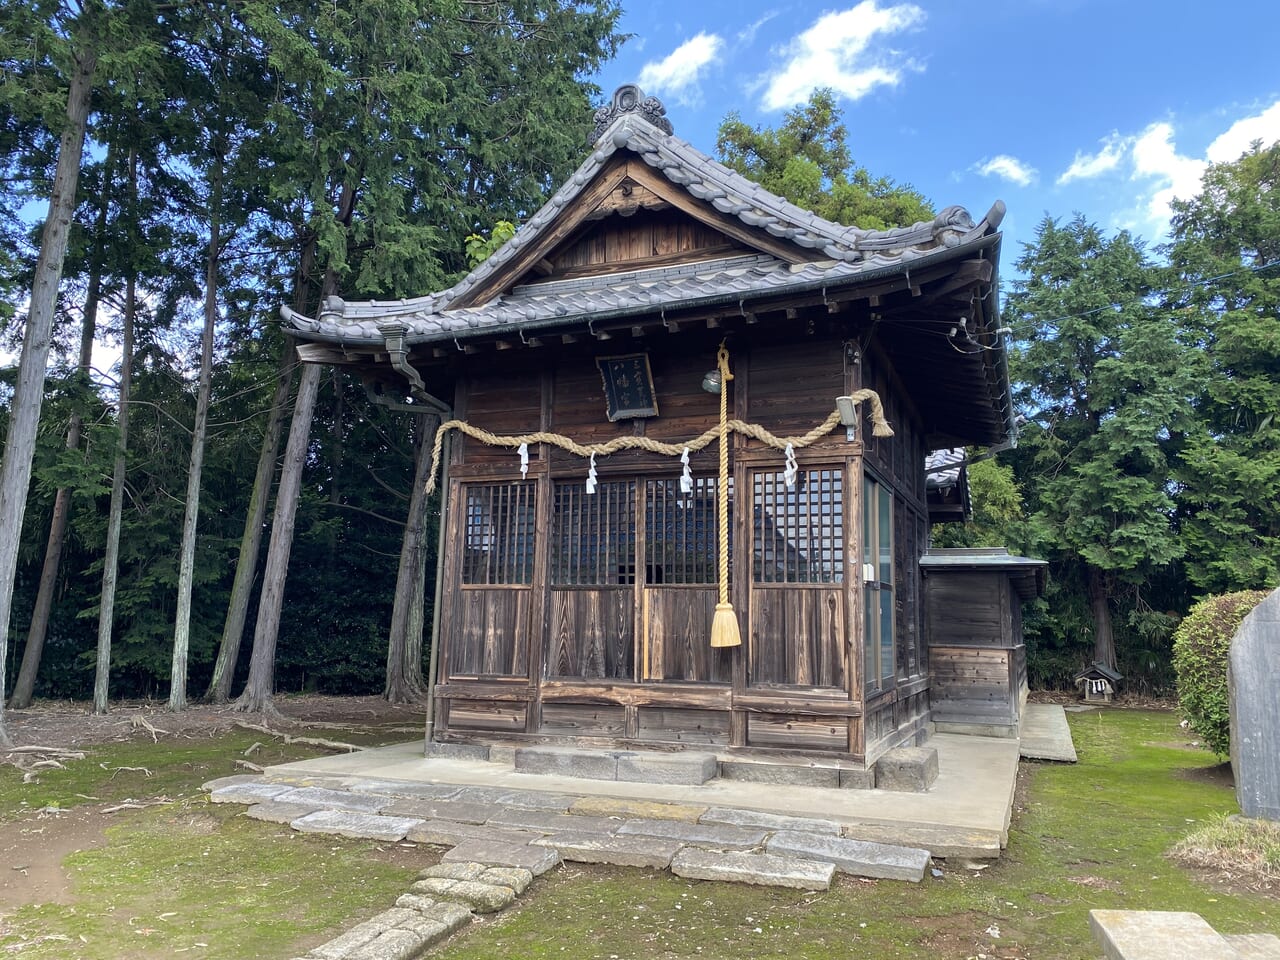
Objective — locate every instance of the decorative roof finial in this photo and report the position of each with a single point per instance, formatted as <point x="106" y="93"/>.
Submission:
<point x="629" y="98"/>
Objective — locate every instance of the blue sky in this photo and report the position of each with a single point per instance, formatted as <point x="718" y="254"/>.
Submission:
<point x="1106" y="107"/>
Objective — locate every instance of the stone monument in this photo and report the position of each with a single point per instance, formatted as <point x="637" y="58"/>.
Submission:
<point x="1253" y="679"/>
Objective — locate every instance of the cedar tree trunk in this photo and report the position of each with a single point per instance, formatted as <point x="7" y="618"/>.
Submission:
<point x="28" y="393"/>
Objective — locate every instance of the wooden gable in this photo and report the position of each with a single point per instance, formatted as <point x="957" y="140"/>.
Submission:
<point x="629" y="218"/>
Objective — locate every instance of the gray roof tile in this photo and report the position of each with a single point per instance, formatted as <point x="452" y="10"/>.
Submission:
<point x="850" y="250"/>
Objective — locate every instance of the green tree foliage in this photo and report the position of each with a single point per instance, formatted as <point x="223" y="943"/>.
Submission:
<point x="358" y="142"/>
<point x="1106" y="382"/>
<point x="807" y="160"/>
<point x="1226" y="257"/>
<point x="1200" y="648"/>
<point x="480" y="248"/>
<point x="998" y="518"/>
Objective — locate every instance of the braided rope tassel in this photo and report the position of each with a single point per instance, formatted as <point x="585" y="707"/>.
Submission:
<point x="724" y="625"/>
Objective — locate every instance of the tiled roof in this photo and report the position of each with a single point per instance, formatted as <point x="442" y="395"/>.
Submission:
<point x="840" y="255"/>
<point x="942" y="467"/>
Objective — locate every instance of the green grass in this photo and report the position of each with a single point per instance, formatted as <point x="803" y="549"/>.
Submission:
<point x="188" y="876"/>
<point x="1090" y="835"/>
<point x="171" y="768"/>
<point x="187" y="873"/>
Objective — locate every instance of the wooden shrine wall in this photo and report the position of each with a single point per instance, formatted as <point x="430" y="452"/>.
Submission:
<point x="616" y="647"/>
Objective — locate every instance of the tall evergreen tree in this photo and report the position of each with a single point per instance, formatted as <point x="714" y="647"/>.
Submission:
<point x="1105" y="380"/>
<point x="1226" y="257"/>
<point x="81" y="50"/>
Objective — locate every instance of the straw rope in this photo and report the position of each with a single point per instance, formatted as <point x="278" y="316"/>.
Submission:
<point x="724" y="624"/>
<point x="722" y="361"/>
<point x="880" y="428"/>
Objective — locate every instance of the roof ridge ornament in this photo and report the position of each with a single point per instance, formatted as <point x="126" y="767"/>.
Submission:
<point x="629" y="98"/>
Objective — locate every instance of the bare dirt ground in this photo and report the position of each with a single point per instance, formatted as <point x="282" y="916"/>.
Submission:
<point x="67" y="725"/>
<point x="33" y="851"/>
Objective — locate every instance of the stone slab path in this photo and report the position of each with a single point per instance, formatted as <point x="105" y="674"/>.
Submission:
<point x="1172" y="935"/>
<point x="499" y="840"/>
<point x="1044" y="734"/>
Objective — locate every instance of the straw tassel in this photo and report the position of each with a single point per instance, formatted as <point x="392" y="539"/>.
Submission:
<point x="724" y="625"/>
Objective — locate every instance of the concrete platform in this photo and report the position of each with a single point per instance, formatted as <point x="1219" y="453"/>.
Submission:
<point x="966" y="812"/>
<point x="1044" y="734"/>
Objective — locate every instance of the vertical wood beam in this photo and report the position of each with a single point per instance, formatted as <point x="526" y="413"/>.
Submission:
<point x="540" y="589"/>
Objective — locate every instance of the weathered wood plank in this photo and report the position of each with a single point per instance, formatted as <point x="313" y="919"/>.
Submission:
<point x="681" y="725"/>
<point x="582" y="720"/>
<point x="489" y="634"/>
<point x="493" y="715"/>
<point x="798" y="636"/>
<point x="591" y="633"/>
<point x="797" y="732"/>
<point x="679" y="624"/>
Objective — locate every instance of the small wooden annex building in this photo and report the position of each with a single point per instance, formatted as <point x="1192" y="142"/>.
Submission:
<point x="579" y="591"/>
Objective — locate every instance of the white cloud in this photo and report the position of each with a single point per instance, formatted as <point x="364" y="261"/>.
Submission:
<point x="1087" y="166"/>
<point x="1007" y="168"/>
<point x="679" y="73"/>
<point x="1264" y="126"/>
<point x="1153" y="159"/>
<point x="836" y="52"/>
<point x="747" y="35"/>
<point x="1156" y="157"/>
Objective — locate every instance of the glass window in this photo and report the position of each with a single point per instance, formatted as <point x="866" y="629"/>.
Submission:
<point x="878" y="583"/>
<point x="497" y="536"/>
<point x="799" y="532"/>
<point x="682" y="532"/>
<point x="593" y="538"/>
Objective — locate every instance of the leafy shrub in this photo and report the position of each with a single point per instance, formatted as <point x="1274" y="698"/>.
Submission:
<point x="1200" y="646"/>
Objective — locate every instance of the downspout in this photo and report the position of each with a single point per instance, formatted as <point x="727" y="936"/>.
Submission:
<point x="433" y="661"/>
<point x="393" y="334"/>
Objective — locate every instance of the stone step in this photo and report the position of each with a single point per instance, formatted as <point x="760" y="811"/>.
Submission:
<point x="274" y="812"/>
<point x="523" y="799"/>
<point x="517" y="878"/>
<point x="617" y="851"/>
<point x="479" y="896"/>
<point x="333" y="799"/>
<point x="251" y="791"/>
<point x="402" y="788"/>
<point x="364" y="826"/>
<point x="460" y="811"/>
<point x="403" y="932"/>
<point x="1254" y="946"/>
<point x="909" y="769"/>
<point x="684" y="767"/>
<point x="761" y="869"/>
<point x="537" y="860"/>
<point x="627" y="809"/>
<point x="1158" y="935"/>
<point x="447" y="833"/>
<point x="540" y="821"/>
<point x="714" y="835"/>
<point x="857" y="857"/>
<point x="732" y="816"/>
<point x="969" y="843"/>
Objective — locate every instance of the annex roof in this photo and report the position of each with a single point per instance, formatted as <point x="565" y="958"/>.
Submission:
<point x="1027" y="574"/>
<point x="806" y="252"/>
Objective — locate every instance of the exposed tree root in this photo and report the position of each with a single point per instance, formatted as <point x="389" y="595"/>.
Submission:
<point x="306" y="741"/>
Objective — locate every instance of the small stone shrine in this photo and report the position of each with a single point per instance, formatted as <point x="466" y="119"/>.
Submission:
<point x="1253" y="678"/>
